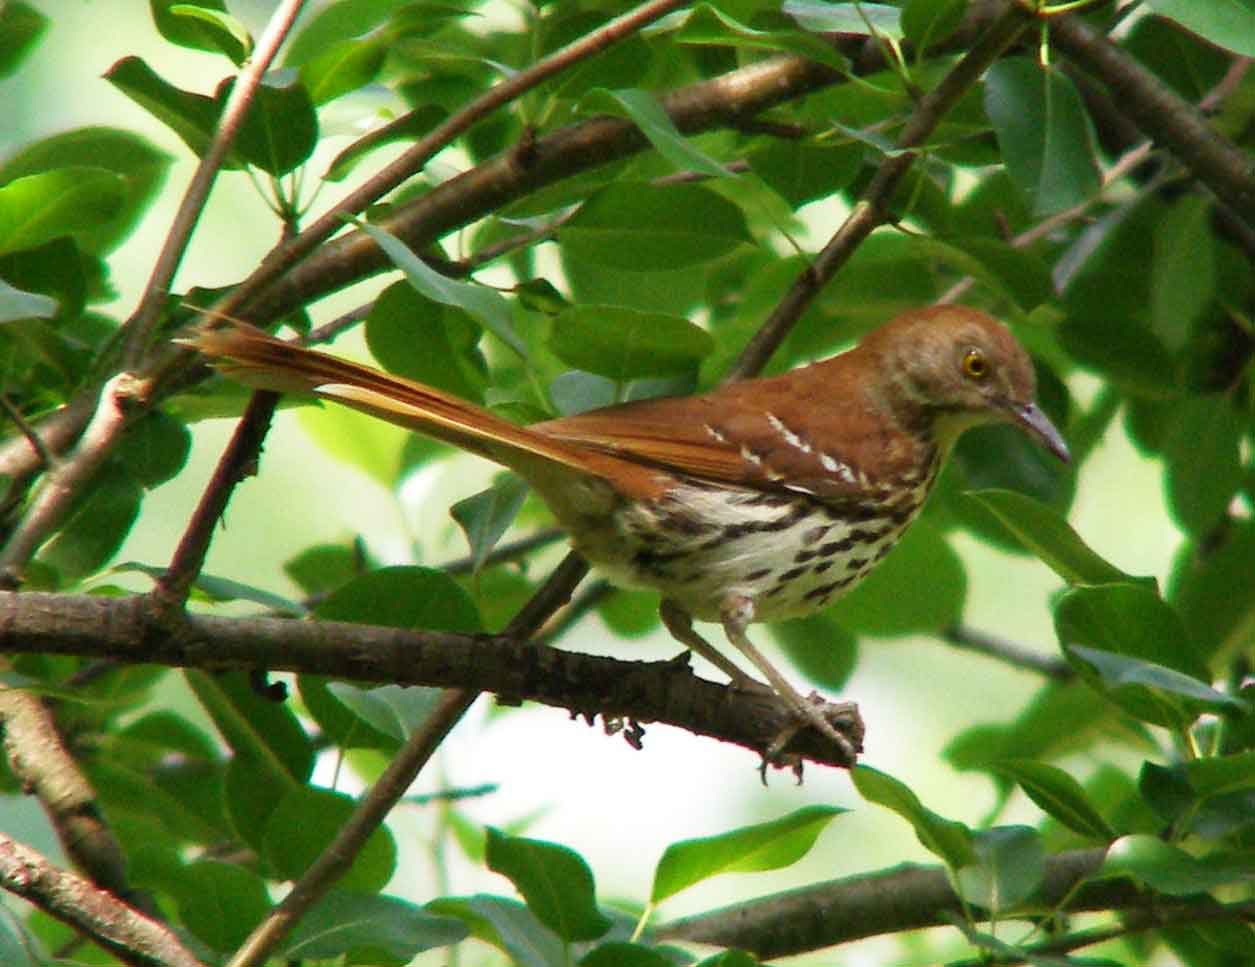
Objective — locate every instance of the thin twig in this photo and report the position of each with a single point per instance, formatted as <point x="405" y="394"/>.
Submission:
<point x="63" y="485"/>
<point x="1122" y="166"/>
<point x="581" y="605"/>
<point x="507" y="552"/>
<point x="388" y="790"/>
<point x="872" y="209"/>
<point x="237" y="461"/>
<point x="138" y="330"/>
<point x="25" y="429"/>
<point x="370" y="812"/>
<point x="1016" y="655"/>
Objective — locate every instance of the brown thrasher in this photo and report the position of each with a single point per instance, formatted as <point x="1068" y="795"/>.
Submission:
<point x="759" y="500"/>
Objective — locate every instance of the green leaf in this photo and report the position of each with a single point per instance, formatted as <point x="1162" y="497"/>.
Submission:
<point x="218" y="29"/>
<point x="1007" y="272"/>
<point x="1215" y="591"/>
<point x="280" y="129"/>
<point x="708" y="25"/>
<point x="926" y="22"/>
<point x="16" y="304"/>
<point x="555" y="881"/>
<point x="820" y="648"/>
<point x="215" y="588"/>
<point x="265" y="732"/>
<point x="75" y="201"/>
<point x="1044" y="133"/>
<point x="1128" y="619"/>
<point x="731" y="958"/>
<point x="141" y="165"/>
<point x="402" y="597"/>
<point x="1226" y="23"/>
<point x="877" y="606"/>
<point x="344" y="67"/>
<point x="192" y="117"/>
<point x="16" y="950"/>
<point x="97" y="527"/>
<point x="642" y="228"/>
<point x="1183" y="273"/>
<point x="371" y="445"/>
<point x="368" y="929"/>
<point x="623" y="344"/>
<point x="334" y="22"/>
<point x="1154" y="693"/>
<point x="304" y="823"/>
<point x="485" y="305"/>
<point x="1045" y="532"/>
<point x="643" y="110"/>
<point x="1169" y="869"/>
<point x="1058" y="794"/>
<point x="750" y="849"/>
<point x="1222" y="774"/>
<point x="947" y="839"/>
<point x="21" y="27"/>
<point x="487" y="515"/>
<point x="427" y="341"/>
<point x="1202" y="452"/>
<point x="325" y="567"/>
<point x="620" y="954"/>
<point x="155" y="448"/>
<point x="846" y="18"/>
<point x="1010" y="864"/>
<point x="184" y="30"/>
<point x="508" y="925"/>
<point x="220" y="903"/>
<point x="394" y="710"/>
<point x="802" y="172"/>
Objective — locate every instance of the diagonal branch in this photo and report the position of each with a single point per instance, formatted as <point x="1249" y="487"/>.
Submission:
<point x="138" y="331"/>
<point x="129" y="935"/>
<point x="872" y="209"/>
<point x="1161" y="113"/>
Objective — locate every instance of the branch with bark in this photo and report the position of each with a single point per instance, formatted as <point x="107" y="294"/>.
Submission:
<point x="131" y="630"/>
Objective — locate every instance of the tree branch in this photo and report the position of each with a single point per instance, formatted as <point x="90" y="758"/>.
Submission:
<point x="890" y="901"/>
<point x="416" y="157"/>
<point x="1166" y="117"/>
<point x="130" y="630"/>
<point x="138" y="330"/>
<point x="66" y="481"/>
<point x="42" y="764"/>
<point x="872" y="209"/>
<point x="129" y="935"/>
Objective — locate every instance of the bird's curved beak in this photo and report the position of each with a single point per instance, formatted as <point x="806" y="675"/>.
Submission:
<point x="1031" y="418"/>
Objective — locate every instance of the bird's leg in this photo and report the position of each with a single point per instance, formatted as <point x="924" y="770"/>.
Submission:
<point x="680" y="623"/>
<point x="737" y="613"/>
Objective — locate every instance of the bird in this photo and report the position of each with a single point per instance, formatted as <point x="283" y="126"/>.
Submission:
<point x="759" y="500"/>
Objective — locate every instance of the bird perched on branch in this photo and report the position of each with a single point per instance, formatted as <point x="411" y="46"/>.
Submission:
<point x="760" y="500"/>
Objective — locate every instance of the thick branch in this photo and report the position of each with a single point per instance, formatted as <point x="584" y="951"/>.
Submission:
<point x="132" y="937"/>
<point x="890" y="901"/>
<point x="130" y="630"/>
<point x="45" y="768"/>
<point x="1167" y="118"/>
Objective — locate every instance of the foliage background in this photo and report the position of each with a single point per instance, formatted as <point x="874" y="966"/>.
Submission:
<point x="573" y="785"/>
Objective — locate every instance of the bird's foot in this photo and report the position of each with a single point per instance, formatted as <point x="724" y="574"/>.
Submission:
<point x="839" y="722"/>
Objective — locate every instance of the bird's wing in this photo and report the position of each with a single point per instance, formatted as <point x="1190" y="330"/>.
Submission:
<point x="734" y="435"/>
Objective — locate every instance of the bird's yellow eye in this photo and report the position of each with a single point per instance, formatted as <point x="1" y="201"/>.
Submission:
<point x="975" y="366"/>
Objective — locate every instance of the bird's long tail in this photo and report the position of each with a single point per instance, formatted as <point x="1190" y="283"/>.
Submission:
<point x="256" y="359"/>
